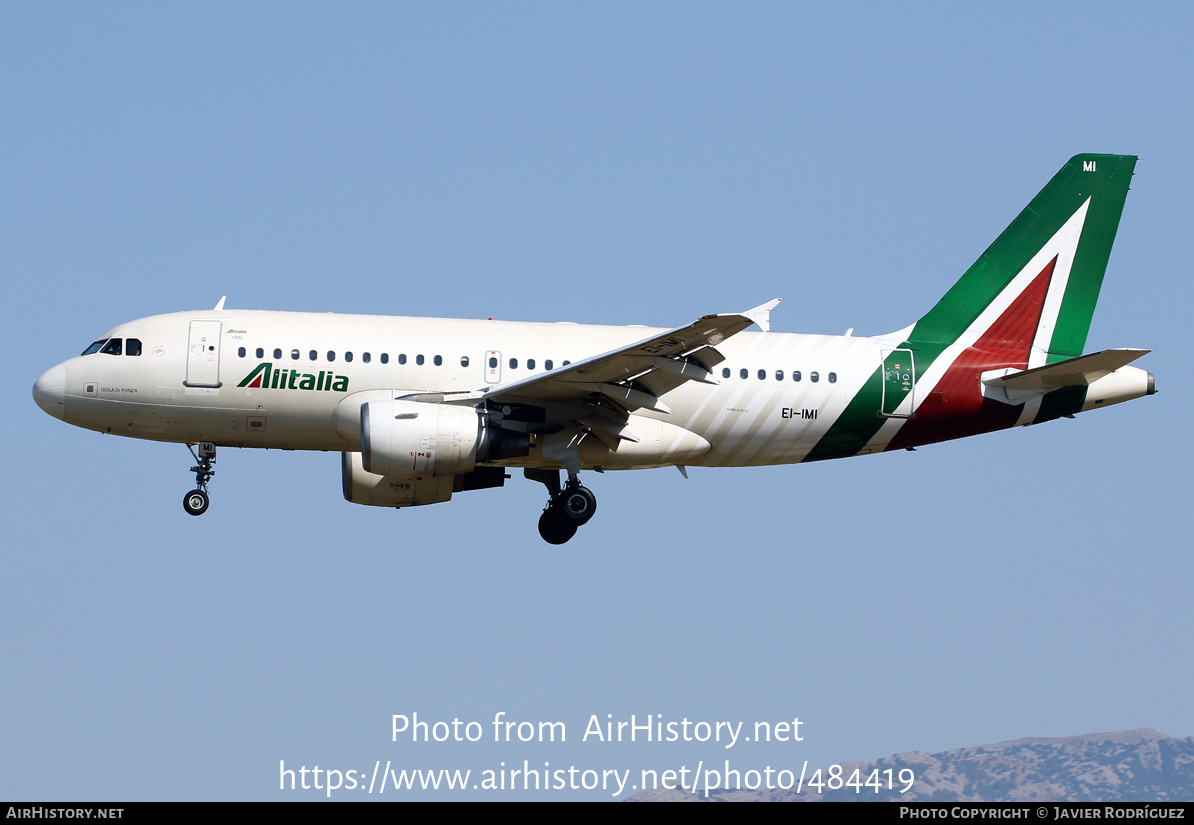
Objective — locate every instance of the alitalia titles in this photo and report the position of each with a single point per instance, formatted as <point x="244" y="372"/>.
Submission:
<point x="265" y="377"/>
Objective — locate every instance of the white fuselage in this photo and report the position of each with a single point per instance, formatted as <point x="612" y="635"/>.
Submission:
<point x="794" y="386"/>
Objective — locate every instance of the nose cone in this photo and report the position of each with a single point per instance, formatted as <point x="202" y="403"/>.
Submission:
<point x="50" y="391"/>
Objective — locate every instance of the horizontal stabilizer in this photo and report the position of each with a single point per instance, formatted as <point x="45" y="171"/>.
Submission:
<point x="1073" y="372"/>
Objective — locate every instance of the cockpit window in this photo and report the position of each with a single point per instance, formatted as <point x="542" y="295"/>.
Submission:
<point x="113" y="347"/>
<point x="132" y="346"/>
<point x="94" y="347"/>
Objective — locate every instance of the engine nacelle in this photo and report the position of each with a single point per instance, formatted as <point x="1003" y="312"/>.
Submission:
<point x="364" y="487"/>
<point x="414" y="439"/>
<point x="410" y="439"/>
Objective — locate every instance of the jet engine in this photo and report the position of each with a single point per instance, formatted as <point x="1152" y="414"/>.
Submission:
<point x="363" y="487"/>
<point x="413" y="439"/>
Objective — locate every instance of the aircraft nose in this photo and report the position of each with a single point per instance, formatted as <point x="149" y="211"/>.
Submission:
<point x="50" y="391"/>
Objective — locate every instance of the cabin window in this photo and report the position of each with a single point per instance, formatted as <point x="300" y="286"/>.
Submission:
<point x="438" y="361"/>
<point x="132" y="346"/>
<point x="348" y="357"/>
<point x="566" y="363"/>
<point x="331" y="355"/>
<point x="513" y="363"/>
<point x="113" y="347"/>
<point x="814" y="377"/>
<point x="241" y="352"/>
<point x="464" y="360"/>
<point x="366" y="357"/>
<point x="547" y="364"/>
<point x="762" y="375"/>
<point x="419" y="360"/>
<point x="94" y="347"/>
<point x="743" y="373"/>
<point x="277" y="353"/>
<point x="795" y="375"/>
<point x="779" y="375"/>
<point x="492" y="363"/>
<point x="261" y="353"/>
<point x="313" y="355"/>
<point x="385" y="358"/>
<point x="402" y="358"/>
<point x="294" y="355"/>
<point x="530" y="363"/>
<point x="725" y="372"/>
<point x="833" y="378"/>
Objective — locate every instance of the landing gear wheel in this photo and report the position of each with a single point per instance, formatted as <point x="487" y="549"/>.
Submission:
<point x="555" y="527"/>
<point x="578" y="504"/>
<point x="195" y="502"/>
<point x="567" y="508"/>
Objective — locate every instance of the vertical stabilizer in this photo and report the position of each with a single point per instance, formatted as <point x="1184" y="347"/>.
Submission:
<point x="1025" y="303"/>
<point x="1070" y="225"/>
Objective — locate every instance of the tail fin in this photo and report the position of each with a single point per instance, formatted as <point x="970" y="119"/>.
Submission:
<point x="1025" y="303"/>
<point x="1040" y="279"/>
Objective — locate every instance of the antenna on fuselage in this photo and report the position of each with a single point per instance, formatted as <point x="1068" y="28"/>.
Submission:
<point x="220" y="305"/>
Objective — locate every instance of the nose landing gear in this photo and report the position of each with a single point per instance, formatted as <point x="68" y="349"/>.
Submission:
<point x="566" y="509"/>
<point x="196" y="501"/>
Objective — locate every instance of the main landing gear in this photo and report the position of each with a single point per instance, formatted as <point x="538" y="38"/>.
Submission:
<point x="196" y="501"/>
<point x="567" y="509"/>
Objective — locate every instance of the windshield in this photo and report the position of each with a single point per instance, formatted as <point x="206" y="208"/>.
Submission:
<point x="94" y="347"/>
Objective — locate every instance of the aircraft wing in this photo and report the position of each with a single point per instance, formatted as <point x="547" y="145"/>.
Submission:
<point x="636" y="375"/>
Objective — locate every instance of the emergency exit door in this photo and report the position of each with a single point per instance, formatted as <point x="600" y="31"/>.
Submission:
<point x="493" y="367"/>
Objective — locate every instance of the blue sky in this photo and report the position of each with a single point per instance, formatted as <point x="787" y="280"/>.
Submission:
<point x="604" y="163"/>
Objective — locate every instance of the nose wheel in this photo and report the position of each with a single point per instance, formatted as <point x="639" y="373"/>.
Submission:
<point x="567" y="509"/>
<point x="196" y="501"/>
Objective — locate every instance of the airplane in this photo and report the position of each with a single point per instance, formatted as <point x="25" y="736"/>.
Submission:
<point x="423" y="408"/>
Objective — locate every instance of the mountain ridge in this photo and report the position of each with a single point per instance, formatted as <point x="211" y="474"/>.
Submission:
<point x="1140" y="765"/>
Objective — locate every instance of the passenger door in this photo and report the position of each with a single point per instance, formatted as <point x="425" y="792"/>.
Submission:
<point x="203" y="354"/>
